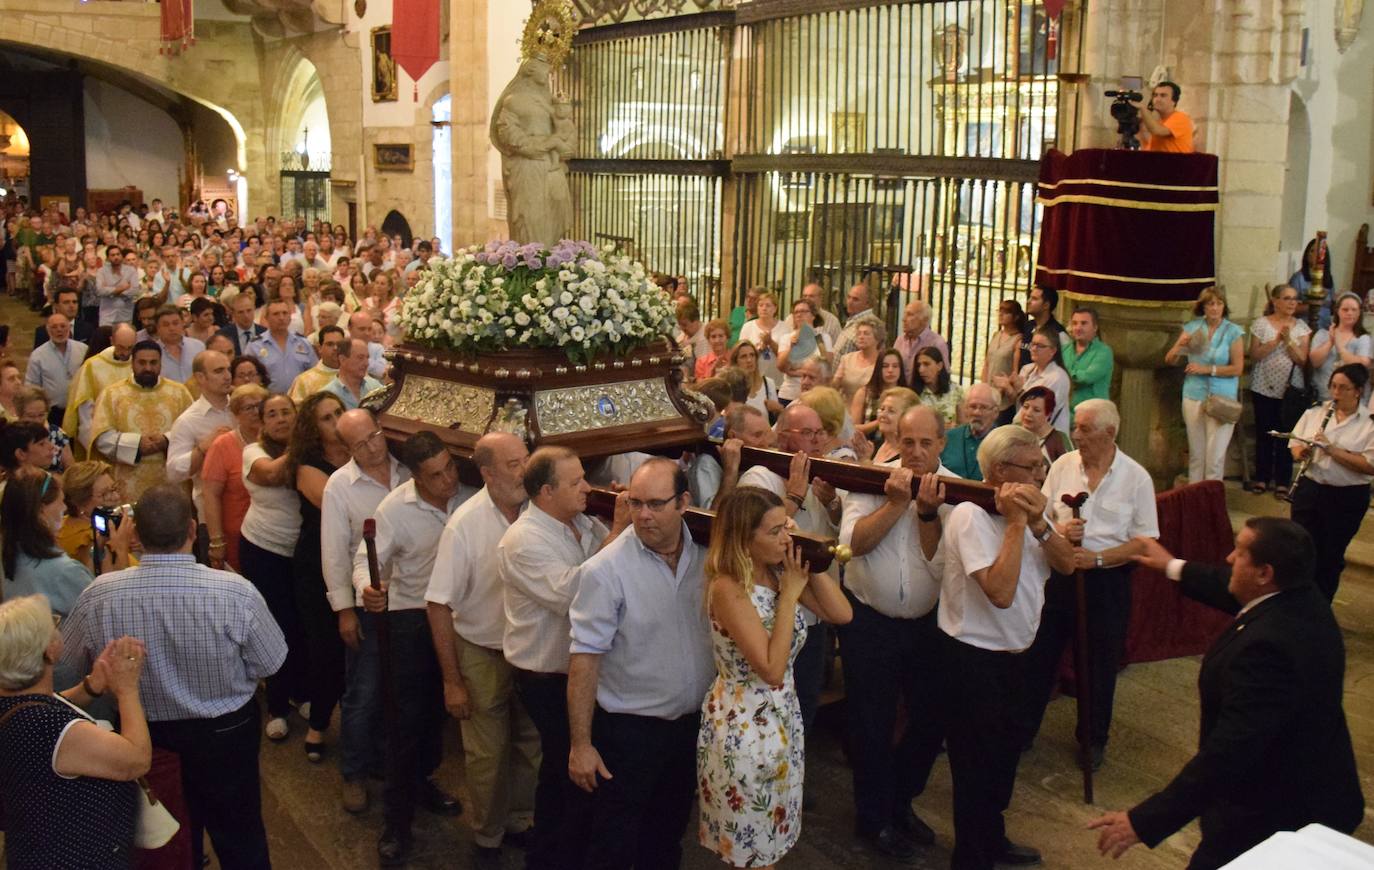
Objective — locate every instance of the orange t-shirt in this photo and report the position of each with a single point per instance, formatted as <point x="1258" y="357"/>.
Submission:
<point x="1180" y="143"/>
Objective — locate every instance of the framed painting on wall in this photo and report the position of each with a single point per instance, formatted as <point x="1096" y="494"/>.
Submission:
<point x="393" y="158"/>
<point x="383" y="66"/>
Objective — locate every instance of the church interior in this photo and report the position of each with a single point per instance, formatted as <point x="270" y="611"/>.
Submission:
<point x="765" y="144"/>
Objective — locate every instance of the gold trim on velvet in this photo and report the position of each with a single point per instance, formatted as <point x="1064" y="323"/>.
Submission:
<point x="1128" y="203"/>
<point x="1124" y="278"/>
<point x="1133" y="303"/>
<point x="1109" y="183"/>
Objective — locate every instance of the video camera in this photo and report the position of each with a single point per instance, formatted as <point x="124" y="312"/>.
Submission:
<point x="1127" y="118"/>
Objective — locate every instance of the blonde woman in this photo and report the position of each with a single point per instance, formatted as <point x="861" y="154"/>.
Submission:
<point x="750" y="793"/>
<point x="892" y="404"/>
<point x="766" y="333"/>
<point x="855" y="368"/>
<point x="763" y="393"/>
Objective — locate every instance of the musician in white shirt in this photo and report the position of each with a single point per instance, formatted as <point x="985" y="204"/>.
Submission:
<point x="1332" y="496"/>
<point x="991" y="594"/>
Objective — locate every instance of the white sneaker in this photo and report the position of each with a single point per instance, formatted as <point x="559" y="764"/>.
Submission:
<point x="304" y="710"/>
<point x="277" y="728"/>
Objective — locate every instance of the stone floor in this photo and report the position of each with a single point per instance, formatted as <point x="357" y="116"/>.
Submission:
<point x="1154" y="734"/>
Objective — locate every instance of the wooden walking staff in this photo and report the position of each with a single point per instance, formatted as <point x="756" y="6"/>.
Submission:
<point x="1080" y="662"/>
<point x="374" y="576"/>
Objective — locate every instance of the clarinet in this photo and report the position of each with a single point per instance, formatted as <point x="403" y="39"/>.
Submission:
<point x="1312" y="452"/>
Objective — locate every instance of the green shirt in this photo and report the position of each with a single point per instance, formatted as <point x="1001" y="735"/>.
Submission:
<point x="738" y="317"/>
<point x="1090" y="372"/>
<point x="961" y="452"/>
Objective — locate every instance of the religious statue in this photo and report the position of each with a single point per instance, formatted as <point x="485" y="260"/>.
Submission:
<point x="534" y="132"/>
<point x="1348" y="15"/>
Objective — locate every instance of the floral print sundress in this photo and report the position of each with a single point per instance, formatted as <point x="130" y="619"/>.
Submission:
<point x="750" y="752"/>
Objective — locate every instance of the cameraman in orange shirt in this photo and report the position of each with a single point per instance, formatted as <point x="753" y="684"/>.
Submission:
<point x="1170" y="130"/>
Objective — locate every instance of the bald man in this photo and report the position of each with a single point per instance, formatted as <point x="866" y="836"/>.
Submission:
<point x="53" y="364"/>
<point x="917" y="334"/>
<point x="111" y="365"/>
<point x="961" y="442"/>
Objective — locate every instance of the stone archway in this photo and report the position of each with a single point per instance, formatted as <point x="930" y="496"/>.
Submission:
<point x="395" y="224"/>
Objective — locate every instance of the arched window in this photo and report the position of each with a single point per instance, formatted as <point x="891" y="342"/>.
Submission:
<point x="443" y="172"/>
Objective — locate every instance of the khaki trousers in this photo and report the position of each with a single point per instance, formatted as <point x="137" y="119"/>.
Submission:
<point x="500" y="744"/>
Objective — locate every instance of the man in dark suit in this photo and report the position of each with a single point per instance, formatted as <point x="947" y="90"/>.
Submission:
<point x="68" y="302"/>
<point x="1275" y="751"/>
<point x="241" y="324"/>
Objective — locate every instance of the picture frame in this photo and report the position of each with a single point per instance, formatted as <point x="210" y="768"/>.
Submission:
<point x="791" y="226"/>
<point x="1033" y="42"/>
<point x="396" y="157"/>
<point x="383" y="66"/>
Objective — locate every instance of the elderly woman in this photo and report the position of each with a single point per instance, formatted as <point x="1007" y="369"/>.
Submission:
<point x="856" y="367"/>
<point x="1037" y="408"/>
<point x="225" y="499"/>
<point x="248" y="370"/>
<point x="801" y="344"/>
<point x="839" y="431"/>
<point x="892" y="404"/>
<point x="67" y="786"/>
<point x="863" y="408"/>
<point x="32" y="404"/>
<point x="1214" y="349"/>
<point x="85" y="486"/>
<point x="1043" y="370"/>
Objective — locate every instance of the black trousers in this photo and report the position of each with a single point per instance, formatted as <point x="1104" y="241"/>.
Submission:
<point x="324" y="646"/>
<point x="982" y="690"/>
<point x="219" y="778"/>
<point x="560" y="817"/>
<point x="1331" y="515"/>
<point x="637" y="818"/>
<point x="808" y="672"/>
<point x="1273" y="461"/>
<point x="271" y="575"/>
<point x="414" y="744"/>
<point x="885" y="660"/>
<point x="1109" y="615"/>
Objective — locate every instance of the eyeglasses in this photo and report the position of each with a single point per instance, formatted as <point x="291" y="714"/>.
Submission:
<point x="376" y="433"/>
<point x="1035" y="345"/>
<point x="807" y="434"/>
<point x="653" y="504"/>
<point x="1027" y="468"/>
<point x="978" y="406"/>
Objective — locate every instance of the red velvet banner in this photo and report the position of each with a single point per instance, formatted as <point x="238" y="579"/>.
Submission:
<point x="415" y="36"/>
<point x="1128" y="225"/>
<point x="178" y="25"/>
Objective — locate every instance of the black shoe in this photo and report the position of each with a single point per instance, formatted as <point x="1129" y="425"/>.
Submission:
<point x="1099" y="755"/>
<point x="1017" y="855"/>
<point x="486" y="857"/>
<point x="910" y="826"/>
<point x="519" y="839"/>
<point x="393" y="849"/>
<point x="889" y="843"/>
<point x="438" y="801"/>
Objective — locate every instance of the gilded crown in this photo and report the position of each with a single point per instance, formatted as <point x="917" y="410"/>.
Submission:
<point x="549" y="32"/>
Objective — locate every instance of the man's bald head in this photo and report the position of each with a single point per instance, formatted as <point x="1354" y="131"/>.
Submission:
<point x="122" y="339"/>
<point x="921" y="438"/>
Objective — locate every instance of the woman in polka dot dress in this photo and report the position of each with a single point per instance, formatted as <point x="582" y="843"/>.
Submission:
<point x="66" y="783"/>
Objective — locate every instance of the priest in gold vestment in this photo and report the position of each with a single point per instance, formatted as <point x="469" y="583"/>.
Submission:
<point x="95" y="374"/>
<point x="131" y="421"/>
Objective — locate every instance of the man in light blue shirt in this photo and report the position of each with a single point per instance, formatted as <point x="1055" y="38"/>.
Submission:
<point x="54" y="363"/>
<point x="641" y="664"/>
<point x="179" y="350"/>
<point x="284" y="353"/>
<point x="116" y="286"/>
<point x="352" y="382"/>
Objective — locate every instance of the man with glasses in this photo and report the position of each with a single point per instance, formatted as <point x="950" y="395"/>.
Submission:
<point x="311" y="381"/>
<point x="1120" y="511"/>
<point x="640" y="665"/>
<point x="409" y="522"/>
<point x="351" y="496"/>
<point x="991" y="592"/>
<point x="961" y="443"/>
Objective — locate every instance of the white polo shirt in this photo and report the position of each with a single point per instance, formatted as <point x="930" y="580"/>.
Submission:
<point x="1355" y="433"/>
<point x="350" y="497"/>
<point x="466" y="576"/>
<point x="408" y="530"/>
<point x="195" y="423"/>
<point x="972" y="538"/>
<point x="1122" y="507"/>
<point x="894" y="578"/>
<point x="541" y="566"/>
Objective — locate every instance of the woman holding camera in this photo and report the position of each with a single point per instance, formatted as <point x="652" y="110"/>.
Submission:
<point x="86" y="486"/>
<point x="67" y="787"/>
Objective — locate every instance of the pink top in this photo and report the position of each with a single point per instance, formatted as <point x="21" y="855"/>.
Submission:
<point x="224" y="465"/>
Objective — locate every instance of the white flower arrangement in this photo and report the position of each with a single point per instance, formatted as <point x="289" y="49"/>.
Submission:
<point x="506" y="296"/>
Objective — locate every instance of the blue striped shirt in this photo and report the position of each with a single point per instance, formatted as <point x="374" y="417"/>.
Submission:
<point x="209" y="635"/>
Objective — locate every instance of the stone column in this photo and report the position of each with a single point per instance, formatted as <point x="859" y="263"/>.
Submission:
<point x="469" y="87"/>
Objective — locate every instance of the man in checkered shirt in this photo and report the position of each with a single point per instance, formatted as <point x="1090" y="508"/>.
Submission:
<point x="210" y="638"/>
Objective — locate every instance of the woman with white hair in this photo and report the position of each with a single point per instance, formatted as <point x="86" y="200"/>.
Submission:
<point x="66" y="783"/>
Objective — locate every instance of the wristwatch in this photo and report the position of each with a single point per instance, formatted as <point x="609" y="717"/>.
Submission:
<point x="1044" y="536"/>
<point x="1097" y="561"/>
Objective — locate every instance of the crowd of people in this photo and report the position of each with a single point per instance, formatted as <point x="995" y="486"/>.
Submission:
<point x="607" y="677"/>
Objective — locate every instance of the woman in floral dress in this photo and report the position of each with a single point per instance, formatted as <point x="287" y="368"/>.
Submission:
<point x="750" y="751"/>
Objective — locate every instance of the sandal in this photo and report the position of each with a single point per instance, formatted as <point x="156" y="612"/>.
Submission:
<point x="1280" y="492"/>
<point x="315" y="752"/>
<point x="1256" y="487"/>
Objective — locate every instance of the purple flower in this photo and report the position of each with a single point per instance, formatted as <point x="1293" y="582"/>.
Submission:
<point x="508" y="261"/>
<point x="534" y="263"/>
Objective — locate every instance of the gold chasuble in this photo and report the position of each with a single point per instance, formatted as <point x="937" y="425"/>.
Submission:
<point x="95" y="374"/>
<point x="127" y="410"/>
<point x="310" y="382"/>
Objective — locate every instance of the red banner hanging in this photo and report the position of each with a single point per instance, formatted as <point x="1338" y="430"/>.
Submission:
<point x="1054" y="7"/>
<point x="415" y="37"/>
<point x="178" y="25"/>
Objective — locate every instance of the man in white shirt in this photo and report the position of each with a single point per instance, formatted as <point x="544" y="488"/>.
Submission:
<point x="351" y="496"/>
<point x="53" y="364"/>
<point x="116" y="286"/>
<point x="691" y="336"/>
<point x="360" y="327"/>
<point x="540" y="558"/>
<point x="1119" y="509"/>
<point x="310" y="257"/>
<point x="641" y="664"/>
<point x="179" y="350"/>
<point x="199" y="425"/>
<point x="890" y="649"/>
<point x="826" y="322"/>
<point x="467" y="619"/>
<point x="409" y="522"/>
<point x="991" y="593"/>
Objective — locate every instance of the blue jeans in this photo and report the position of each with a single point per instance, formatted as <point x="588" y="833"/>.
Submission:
<point x="360" y="710"/>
